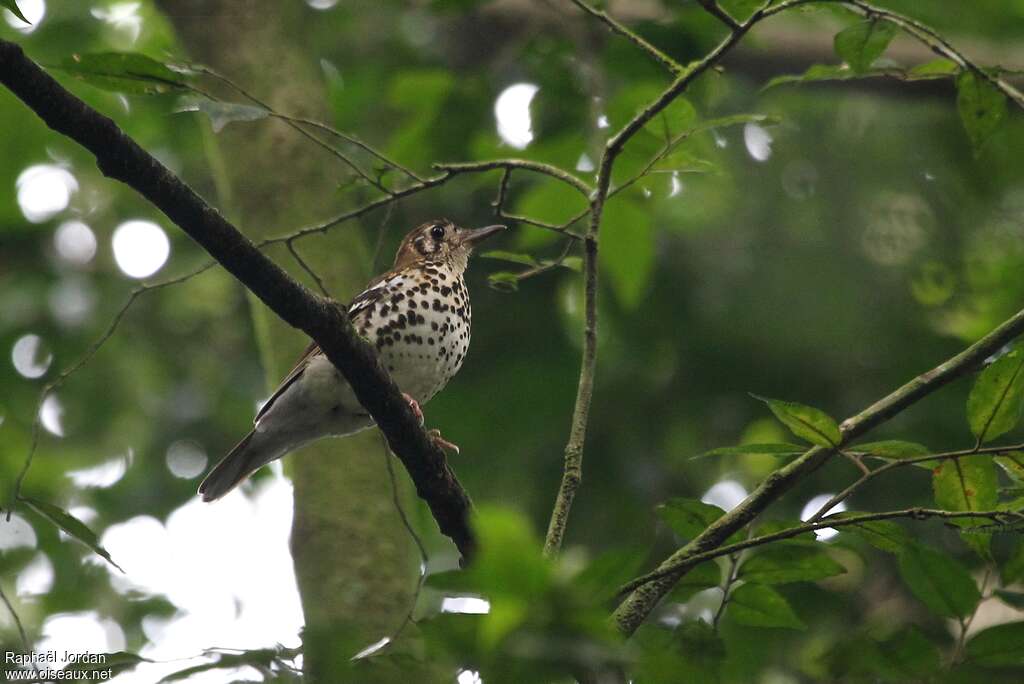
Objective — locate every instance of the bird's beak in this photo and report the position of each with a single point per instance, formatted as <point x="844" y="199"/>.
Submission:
<point x="472" y="237"/>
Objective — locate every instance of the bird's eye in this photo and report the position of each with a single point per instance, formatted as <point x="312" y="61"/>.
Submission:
<point x="437" y="232"/>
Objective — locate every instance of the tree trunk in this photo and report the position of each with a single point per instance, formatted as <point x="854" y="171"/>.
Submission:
<point x="355" y="564"/>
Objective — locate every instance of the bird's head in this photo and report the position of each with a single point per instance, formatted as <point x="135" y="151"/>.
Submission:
<point x="442" y="241"/>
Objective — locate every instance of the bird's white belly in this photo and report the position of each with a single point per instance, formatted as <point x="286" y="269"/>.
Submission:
<point x="428" y="353"/>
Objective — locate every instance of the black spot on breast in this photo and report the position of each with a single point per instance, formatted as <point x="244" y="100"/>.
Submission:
<point x="445" y="291"/>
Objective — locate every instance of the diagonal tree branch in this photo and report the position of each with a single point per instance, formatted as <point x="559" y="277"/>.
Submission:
<point x="644" y="598"/>
<point x="119" y="157"/>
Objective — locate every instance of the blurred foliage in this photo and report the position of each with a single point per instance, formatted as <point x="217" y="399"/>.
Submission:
<point x="830" y="243"/>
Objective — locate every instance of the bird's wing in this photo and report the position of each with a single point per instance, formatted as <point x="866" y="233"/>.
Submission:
<point x="376" y="290"/>
<point x="294" y="374"/>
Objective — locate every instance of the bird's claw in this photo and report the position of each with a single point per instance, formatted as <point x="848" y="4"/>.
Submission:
<point x="434" y="434"/>
<point x="415" y="406"/>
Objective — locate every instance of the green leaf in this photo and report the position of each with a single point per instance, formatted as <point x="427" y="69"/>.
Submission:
<point x="884" y="535"/>
<point x="222" y="113"/>
<point x="982" y="108"/>
<point x="757" y="605"/>
<point x="994" y="404"/>
<point x="789" y="564"/>
<point x="1012" y="464"/>
<point x="693" y="652"/>
<point x="422" y="92"/>
<point x="1014" y="599"/>
<point x="968" y="484"/>
<point x="814" y="73"/>
<point x="703" y="576"/>
<point x="892" y="448"/>
<point x="12" y="5"/>
<point x="864" y="42"/>
<point x="1013" y="569"/>
<point x="503" y="281"/>
<point x="939" y="581"/>
<point x="116" y="663"/>
<point x="907" y="656"/>
<point x="806" y="422"/>
<point x="631" y="100"/>
<point x="684" y="162"/>
<point x="514" y="257"/>
<point x="603" y="575"/>
<point x="509" y="563"/>
<point x="688" y="517"/>
<point x="937" y="68"/>
<point x="747" y="449"/>
<point x="124" y="72"/>
<point x="70" y="525"/>
<point x="627" y="250"/>
<point x="573" y="263"/>
<point x="551" y="202"/>
<point x="998" y="646"/>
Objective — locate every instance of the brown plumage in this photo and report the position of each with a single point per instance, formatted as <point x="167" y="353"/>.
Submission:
<point x="418" y="317"/>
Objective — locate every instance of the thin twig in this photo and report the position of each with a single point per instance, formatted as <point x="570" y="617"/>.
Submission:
<point x="382" y="230"/>
<point x="307" y="268"/>
<point x="633" y="37"/>
<point x="902" y="463"/>
<point x="965" y="623"/>
<point x="551" y="265"/>
<point x="292" y="123"/>
<point x="424" y="558"/>
<point x="730" y="579"/>
<point x="17" y="620"/>
<point x="999" y="517"/>
<point x="716" y="10"/>
<point x="525" y="164"/>
<point x="62" y="377"/>
<point x="572" y="471"/>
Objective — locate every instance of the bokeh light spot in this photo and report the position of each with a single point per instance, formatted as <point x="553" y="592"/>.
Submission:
<point x="726" y="494"/>
<point x="758" y="141"/>
<point x="469" y="677"/>
<point x="36" y="578"/>
<point x="104" y="475"/>
<point x="75" y="242"/>
<point x="16" y="533"/>
<point x="321" y="4"/>
<point x="812" y="507"/>
<point x="512" y="113"/>
<point x="141" y="248"/>
<point x="470" y="605"/>
<point x="31" y="356"/>
<point x="51" y="415"/>
<point x="186" y="459"/>
<point x="34" y="11"/>
<point x="80" y="633"/>
<point x="123" y="16"/>
<point x="71" y="301"/>
<point x="44" y="190"/>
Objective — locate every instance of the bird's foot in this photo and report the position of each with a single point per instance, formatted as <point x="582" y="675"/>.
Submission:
<point x="435" y="434"/>
<point x="415" y="406"/>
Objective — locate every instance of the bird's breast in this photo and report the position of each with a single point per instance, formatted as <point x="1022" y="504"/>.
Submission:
<point x="421" y="328"/>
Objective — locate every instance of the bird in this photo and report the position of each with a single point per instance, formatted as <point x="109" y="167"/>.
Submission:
<point x="417" y="316"/>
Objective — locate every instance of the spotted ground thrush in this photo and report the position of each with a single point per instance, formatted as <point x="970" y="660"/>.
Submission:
<point x="418" y="317"/>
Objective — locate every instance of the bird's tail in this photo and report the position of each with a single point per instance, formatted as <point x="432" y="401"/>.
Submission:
<point x="247" y="457"/>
